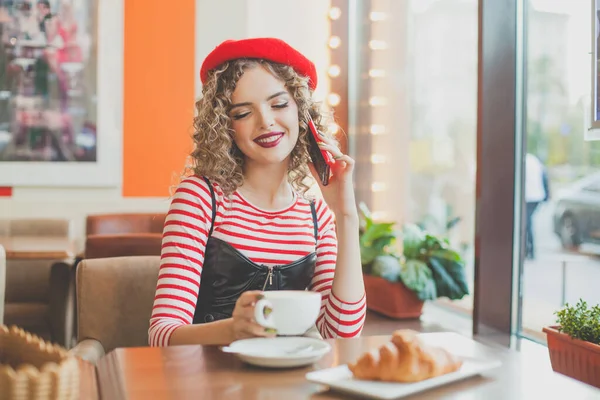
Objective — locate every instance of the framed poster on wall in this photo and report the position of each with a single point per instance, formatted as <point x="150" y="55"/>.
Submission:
<point x="593" y="130"/>
<point x="61" y="68"/>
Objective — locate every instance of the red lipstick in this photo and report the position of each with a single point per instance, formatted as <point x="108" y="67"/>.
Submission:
<point x="268" y="140"/>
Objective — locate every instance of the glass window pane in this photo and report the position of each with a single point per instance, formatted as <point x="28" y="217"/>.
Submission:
<point x="562" y="205"/>
<point x="416" y="118"/>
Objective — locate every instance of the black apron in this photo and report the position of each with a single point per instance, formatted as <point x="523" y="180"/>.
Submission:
<point x="227" y="273"/>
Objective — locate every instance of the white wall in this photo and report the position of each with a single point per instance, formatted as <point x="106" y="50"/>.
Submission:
<point x="217" y="21"/>
<point x="302" y="23"/>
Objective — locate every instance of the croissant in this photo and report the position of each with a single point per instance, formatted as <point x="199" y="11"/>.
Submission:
<point x="405" y="359"/>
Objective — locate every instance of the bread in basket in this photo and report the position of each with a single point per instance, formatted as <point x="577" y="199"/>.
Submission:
<point x="31" y="368"/>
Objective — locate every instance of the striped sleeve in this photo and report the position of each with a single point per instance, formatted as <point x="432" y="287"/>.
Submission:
<point x="337" y="318"/>
<point x="183" y="244"/>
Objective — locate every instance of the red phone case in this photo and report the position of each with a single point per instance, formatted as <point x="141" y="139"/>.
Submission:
<point x="328" y="158"/>
<point x="320" y="158"/>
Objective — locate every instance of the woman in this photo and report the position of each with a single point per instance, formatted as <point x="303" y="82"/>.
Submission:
<point x="241" y="224"/>
<point x="61" y="32"/>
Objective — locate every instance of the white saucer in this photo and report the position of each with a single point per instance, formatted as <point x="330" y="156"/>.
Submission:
<point x="279" y="352"/>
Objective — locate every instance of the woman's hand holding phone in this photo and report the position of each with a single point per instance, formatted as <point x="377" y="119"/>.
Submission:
<point x="321" y="159"/>
<point x="339" y="191"/>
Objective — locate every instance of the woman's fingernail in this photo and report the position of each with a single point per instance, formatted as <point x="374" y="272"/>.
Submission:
<point x="267" y="311"/>
<point x="270" y="330"/>
<point x="260" y="296"/>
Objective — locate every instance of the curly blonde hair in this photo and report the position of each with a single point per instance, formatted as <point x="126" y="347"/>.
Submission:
<point x="216" y="155"/>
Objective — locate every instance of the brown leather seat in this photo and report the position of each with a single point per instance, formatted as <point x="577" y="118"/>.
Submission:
<point x="122" y="245"/>
<point x="114" y="303"/>
<point x="127" y="234"/>
<point x="107" y="224"/>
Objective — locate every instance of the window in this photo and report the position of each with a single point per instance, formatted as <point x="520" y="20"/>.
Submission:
<point x="563" y="217"/>
<point x="415" y="119"/>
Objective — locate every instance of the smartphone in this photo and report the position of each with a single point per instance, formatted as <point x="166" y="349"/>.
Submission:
<point x="321" y="159"/>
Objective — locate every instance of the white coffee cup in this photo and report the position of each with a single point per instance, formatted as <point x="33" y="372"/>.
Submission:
<point x="293" y="312"/>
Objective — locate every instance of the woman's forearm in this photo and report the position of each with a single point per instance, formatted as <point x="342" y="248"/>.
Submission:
<point x="210" y="333"/>
<point x="348" y="284"/>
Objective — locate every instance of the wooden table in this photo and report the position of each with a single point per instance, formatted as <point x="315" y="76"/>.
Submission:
<point x="88" y="383"/>
<point x="37" y="248"/>
<point x="194" y="372"/>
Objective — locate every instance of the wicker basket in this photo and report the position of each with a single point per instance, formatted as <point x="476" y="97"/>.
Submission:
<point x="31" y="368"/>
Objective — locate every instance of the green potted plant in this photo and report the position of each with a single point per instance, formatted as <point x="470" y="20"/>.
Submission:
<point x="398" y="282"/>
<point x="574" y="343"/>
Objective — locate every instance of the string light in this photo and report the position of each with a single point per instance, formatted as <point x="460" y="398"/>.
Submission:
<point x="377" y="45"/>
<point x="335" y="42"/>
<point x="376" y="73"/>
<point x="334" y="71"/>
<point x="377" y="101"/>
<point x="377" y="129"/>
<point x="335" y="13"/>
<point x="334" y="99"/>
<point x="378" y="159"/>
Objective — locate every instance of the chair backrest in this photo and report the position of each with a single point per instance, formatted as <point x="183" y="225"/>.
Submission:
<point x="43" y="227"/>
<point x="123" y="245"/>
<point x="2" y="282"/>
<point x="115" y="298"/>
<point x="27" y="280"/>
<point x="107" y="224"/>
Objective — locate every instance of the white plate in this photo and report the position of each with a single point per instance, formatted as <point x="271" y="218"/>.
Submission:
<point x="279" y="352"/>
<point x="341" y="379"/>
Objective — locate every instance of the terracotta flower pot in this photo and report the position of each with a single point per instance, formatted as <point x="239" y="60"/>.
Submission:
<point x="575" y="358"/>
<point x="393" y="300"/>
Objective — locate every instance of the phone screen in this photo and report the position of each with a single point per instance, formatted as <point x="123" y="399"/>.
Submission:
<point x="317" y="157"/>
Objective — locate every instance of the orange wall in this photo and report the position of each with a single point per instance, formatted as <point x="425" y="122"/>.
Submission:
<point x="158" y="82"/>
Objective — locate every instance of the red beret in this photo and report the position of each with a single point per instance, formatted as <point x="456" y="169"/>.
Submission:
<point x="271" y="49"/>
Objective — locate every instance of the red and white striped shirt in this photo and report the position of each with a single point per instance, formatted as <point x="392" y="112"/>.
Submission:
<point x="265" y="237"/>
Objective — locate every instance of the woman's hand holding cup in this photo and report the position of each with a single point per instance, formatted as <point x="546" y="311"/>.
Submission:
<point x="243" y="321"/>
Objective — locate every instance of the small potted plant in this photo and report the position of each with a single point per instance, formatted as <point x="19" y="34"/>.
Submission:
<point x="574" y="344"/>
<point x="398" y="282"/>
